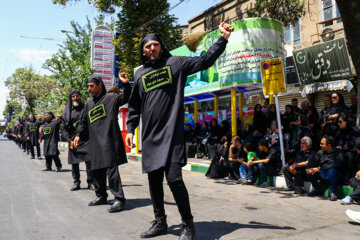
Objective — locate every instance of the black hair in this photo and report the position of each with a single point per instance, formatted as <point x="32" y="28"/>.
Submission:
<point x="249" y="146"/>
<point x="237" y="139"/>
<point x="329" y="140"/>
<point x="263" y="142"/>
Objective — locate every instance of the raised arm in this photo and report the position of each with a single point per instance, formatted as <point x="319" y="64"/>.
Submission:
<point x="195" y="64"/>
<point x="124" y="97"/>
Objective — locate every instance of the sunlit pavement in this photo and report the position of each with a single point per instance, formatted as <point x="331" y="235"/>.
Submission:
<point x="39" y="205"/>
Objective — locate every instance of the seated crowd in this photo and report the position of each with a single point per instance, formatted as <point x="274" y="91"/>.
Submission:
<point x="320" y="147"/>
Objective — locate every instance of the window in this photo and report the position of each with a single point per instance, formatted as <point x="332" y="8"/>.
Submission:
<point x="292" y="34"/>
<point x="330" y="10"/>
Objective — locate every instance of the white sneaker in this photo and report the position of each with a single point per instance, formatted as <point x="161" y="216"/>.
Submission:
<point x="346" y="200"/>
<point x="355" y="216"/>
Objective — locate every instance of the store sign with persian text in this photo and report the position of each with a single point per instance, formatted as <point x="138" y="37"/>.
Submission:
<point x="323" y="62"/>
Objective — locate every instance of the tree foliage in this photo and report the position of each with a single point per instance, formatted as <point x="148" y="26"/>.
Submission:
<point x="135" y="14"/>
<point x="287" y="11"/>
<point x="11" y="104"/>
<point x="70" y="66"/>
<point x="26" y="87"/>
<point x="131" y="16"/>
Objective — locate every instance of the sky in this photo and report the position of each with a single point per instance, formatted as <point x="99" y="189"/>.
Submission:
<point x="42" y="19"/>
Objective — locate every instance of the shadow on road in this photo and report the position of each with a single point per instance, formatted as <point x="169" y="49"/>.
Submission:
<point x="137" y="203"/>
<point x="217" y="229"/>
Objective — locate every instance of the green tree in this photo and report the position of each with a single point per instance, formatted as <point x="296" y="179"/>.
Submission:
<point x="71" y="66"/>
<point x="26" y="87"/>
<point x="135" y="18"/>
<point x="11" y="104"/>
<point x="287" y="11"/>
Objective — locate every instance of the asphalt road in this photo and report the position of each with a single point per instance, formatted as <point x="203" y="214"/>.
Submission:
<point x="39" y="205"/>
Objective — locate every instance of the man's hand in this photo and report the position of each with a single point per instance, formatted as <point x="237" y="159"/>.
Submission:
<point x="292" y="168"/>
<point x="357" y="175"/>
<point x="129" y="140"/>
<point x="39" y="141"/>
<point x="123" y="78"/>
<point x="76" y="141"/>
<point x="221" y="159"/>
<point x="250" y="163"/>
<point x="225" y="30"/>
<point x="72" y="145"/>
<point x="312" y="170"/>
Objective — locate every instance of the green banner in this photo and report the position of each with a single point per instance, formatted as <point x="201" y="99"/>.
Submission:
<point x="254" y="40"/>
<point x="323" y="62"/>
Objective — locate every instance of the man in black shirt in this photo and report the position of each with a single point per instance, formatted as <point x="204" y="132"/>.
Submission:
<point x="268" y="165"/>
<point x="328" y="169"/>
<point x="296" y="173"/>
<point x="294" y="103"/>
<point x="105" y="144"/>
<point x="158" y="97"/>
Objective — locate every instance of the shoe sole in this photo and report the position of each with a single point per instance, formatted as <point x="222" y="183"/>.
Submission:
<point x="118" y="210"/>
<point x="152" y="236"/>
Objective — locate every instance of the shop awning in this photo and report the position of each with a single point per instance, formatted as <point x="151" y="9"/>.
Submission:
<point x="327" y="86"/>
<point x="210" y="95"/>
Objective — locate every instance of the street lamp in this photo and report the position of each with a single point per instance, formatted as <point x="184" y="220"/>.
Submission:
<point x="66" y="31"/>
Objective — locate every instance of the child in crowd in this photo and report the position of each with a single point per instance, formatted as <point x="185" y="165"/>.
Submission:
<point x="355" y="196"/>
<point x="251" y="156"/>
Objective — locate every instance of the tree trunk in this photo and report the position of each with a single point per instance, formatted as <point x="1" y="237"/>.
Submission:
<point x="350" y="14"/>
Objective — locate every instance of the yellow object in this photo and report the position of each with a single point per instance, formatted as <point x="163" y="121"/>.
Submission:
<point x="137" y="140"/>
<point x="233" y="112"/>
<point x="195" y="110"/>
<point x="241" y="115"/>
<point x="216" y="106"/>
<point x="271" y="99"/>
<point x="272" y="74"/>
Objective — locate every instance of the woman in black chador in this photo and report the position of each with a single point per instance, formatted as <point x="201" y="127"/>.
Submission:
<point x="158" y="97"/>
<point x="71" y="117"/>
<point x="331" y="117"/>
<point x="50" y="135"/>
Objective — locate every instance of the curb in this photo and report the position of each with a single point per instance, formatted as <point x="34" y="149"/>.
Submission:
<point x="277" y="181"/>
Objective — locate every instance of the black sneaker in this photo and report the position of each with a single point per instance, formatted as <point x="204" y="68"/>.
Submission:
<point x="299" y="190"/>
<point x="314" y="193"/>
<point x="333" y="197"/>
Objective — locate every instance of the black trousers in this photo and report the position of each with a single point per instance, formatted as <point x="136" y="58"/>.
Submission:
<point x="356" y="185"/>
<point x="75" y="170"/>
<point x="33" y="151"/>
<point x="28" y="145"/>
<point x="173" y="176"/>
<point x="56" y="161"/>
<point x="233" y="169"/>
<point x="23" y="145"/>
<point x="99" y="179"/>
<point x="296" y="180"/>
